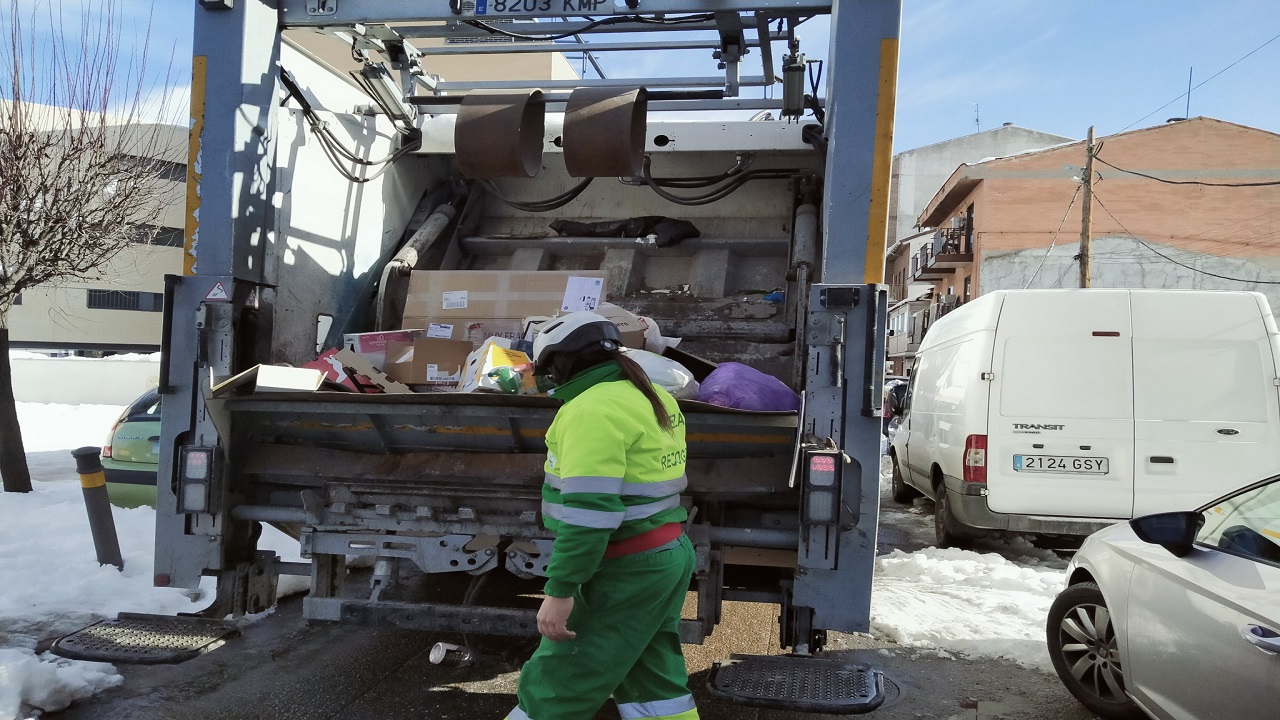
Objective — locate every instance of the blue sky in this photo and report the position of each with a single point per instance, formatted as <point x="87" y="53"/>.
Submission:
<point x="1053" y="66"/>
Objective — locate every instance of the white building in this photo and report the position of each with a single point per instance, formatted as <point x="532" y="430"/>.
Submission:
<point x="917" y="176"/>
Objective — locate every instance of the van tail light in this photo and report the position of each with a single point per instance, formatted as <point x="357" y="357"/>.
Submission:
<point x="975" y="459"/>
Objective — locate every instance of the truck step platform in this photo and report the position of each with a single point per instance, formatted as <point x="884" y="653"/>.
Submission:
<point x="141" y="639"/>
<point x="797" y="683"/>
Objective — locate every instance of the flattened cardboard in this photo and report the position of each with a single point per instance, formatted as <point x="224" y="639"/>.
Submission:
<point x="473" y="330"/>
<point x="350" y="359"/>
<point x="272" y="378"/>
<point x="333" y="370"/>
<point x="480" y="294"/>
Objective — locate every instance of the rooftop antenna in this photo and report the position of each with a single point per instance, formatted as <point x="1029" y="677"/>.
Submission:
<point x="1187" y="114"/>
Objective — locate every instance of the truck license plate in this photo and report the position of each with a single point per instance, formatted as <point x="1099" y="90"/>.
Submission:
<point x="1060" y="464"/>
<point x="508" y="8"/>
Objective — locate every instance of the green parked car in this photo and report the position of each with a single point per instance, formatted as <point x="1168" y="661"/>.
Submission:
<point x="131" y="455"/>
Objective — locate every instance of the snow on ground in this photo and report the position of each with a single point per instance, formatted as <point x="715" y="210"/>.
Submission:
<point x="992" y="602"/>
<point x="51" y="581"/>
<point x="974" y="603"/>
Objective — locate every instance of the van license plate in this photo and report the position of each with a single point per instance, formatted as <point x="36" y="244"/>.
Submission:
<point x="1060" y="464"/>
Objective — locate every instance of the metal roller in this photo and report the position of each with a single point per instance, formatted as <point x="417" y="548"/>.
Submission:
<point x="604" y="132"/>
<point x="500" y="134"/>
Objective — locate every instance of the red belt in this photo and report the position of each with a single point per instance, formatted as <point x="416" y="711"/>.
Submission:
<point x="648" y="540"/>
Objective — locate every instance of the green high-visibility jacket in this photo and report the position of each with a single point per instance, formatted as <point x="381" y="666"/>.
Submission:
<point x="611" y="473"/>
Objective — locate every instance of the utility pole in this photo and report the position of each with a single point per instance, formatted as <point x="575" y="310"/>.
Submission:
<point x="1086" y="211"/>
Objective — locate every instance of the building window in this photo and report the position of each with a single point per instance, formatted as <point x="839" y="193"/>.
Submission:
<point x="968" y="288"/>
<point x="163" y="169"/>
<point x="17" y="299"/>
<point x="125" y="300"/>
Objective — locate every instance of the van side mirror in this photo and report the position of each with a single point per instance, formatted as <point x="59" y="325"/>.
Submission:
<point x="1173" y="531"/>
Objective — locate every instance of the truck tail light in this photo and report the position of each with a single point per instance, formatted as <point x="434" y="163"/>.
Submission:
<point x="975" y="459"/>
<point x="195" y="475"/>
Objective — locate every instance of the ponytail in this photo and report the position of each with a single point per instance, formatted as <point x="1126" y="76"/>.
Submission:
<point x="640" y="379"/>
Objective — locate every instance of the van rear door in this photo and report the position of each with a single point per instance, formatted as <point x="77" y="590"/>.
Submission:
<point x="1060" y="429"/>
<point x="1205" y="399"/>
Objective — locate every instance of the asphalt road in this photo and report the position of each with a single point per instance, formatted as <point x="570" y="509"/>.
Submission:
<point x="281" y="668"/>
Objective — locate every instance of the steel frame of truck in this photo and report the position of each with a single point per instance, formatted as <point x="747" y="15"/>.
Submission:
<point x="336" y="469"/>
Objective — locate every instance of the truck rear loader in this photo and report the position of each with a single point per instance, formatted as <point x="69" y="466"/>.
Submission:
<point x="314" y="194"/>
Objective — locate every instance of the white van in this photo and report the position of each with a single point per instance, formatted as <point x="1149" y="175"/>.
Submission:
<point x="1063" y="411"/>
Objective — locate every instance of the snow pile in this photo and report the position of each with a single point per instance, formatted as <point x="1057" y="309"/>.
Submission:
<point x="50" y="684"/>
<point x="52" y="581"/>
<point x="963" y="601"/>
<point x="121" y="357"/>
<point x="52" y="522"/>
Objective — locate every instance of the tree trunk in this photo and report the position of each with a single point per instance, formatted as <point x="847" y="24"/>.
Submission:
<point x="13" y="459"/>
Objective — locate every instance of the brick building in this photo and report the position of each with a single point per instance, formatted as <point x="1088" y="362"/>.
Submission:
<point x="1192" y="204"/>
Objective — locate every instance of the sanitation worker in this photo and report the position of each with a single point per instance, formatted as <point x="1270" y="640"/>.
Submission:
<point x="621" y="563"/>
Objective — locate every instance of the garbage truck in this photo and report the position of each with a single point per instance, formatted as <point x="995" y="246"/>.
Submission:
<point x="342" y="148"/>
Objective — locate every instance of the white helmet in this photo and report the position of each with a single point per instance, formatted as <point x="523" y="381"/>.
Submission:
<point x="573" y="333"/>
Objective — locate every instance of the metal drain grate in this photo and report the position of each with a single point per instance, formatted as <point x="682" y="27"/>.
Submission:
<point x="797" y="683"/>
<point x="134" y="638"/>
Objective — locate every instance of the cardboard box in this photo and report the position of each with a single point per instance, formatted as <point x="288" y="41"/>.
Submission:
<point x="630" y="326"/>
<point x="480" y="294"/>
<point x="473" y="331"/>
<point x="427" y="361"/>
<point x="496" y="353"/>
<point x="372" y="346"/>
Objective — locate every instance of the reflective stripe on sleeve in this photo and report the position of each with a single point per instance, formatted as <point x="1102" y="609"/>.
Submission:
<point x="585" y="518"/>
<point x="657" y="708"/>
<point x="517" y="714"/>
<point x="639" y="512"/>
<point x="655" y="489"/>
<point x="586" y="484"/>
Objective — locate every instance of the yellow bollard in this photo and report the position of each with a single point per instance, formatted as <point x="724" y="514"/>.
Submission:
<point x="94" y="485"/>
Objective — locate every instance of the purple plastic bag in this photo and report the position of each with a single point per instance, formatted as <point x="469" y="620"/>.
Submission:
<point x="743" y="387"/>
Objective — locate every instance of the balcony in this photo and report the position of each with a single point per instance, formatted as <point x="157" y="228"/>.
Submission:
<point x="951" y="248"/>
<point x="904" y="344"/>
<point x="946" y="304"/>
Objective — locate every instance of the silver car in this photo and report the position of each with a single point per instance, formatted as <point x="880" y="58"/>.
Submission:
<point x="1176" y="615"/>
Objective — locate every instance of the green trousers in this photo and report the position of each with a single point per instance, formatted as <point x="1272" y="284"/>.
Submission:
<point x="628" y="645"/>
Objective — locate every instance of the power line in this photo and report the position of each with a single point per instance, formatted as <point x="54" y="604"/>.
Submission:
<point x="1187" y="182"/>
<point x="1214" y="231"/>
<point x="1188" y="92"/>
<point x="1055" y="239"/>
<point x="1175" y="262"/>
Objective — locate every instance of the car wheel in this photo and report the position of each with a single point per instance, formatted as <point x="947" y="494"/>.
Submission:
<point x="947" y="530"/>
<point x="902" y="492"/>
<point x="1082" y="646"/>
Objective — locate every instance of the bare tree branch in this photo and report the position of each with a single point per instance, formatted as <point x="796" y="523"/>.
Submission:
<point x="83" y="172"/>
